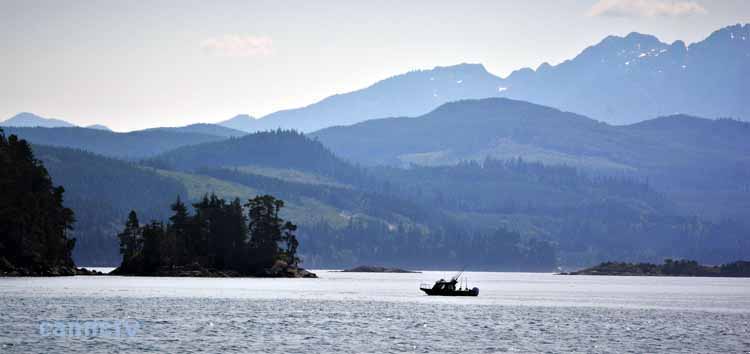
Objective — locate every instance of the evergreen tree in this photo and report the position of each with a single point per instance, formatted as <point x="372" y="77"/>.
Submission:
<point x="265" y="228"/>
<point x="34" y="223"/>
<point x="180" y="231"/>
<point x="153" y="238"/>
<point x="131" y="240"/>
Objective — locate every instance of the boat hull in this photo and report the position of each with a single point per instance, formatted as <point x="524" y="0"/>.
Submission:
<point x="441" y="292"/>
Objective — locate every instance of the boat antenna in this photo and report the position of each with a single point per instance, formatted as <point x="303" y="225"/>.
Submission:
<point x="458" y="275"/>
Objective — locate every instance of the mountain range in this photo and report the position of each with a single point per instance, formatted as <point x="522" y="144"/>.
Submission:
<point x="623" y="80"/>
<point x="619" y="80"/>
<point x="409" y="94"/>
<point x="432" y="168"/>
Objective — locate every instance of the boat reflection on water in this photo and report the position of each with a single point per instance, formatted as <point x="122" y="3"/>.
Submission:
<point x="444" y="287"/>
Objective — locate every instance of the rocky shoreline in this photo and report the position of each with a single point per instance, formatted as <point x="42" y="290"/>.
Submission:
<point x="47" y="272"/>
<point x="376" y="269"/>
<point x="279" y="270"/>
<point x="670" y="268"/>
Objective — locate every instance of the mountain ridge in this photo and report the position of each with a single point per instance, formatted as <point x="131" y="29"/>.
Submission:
<point x="383" y="98"/>
<point x="619" y="80"/>
<point x="201" y="128"/>
<point x="27" y="119"/>
<point x="241" y="122"/>
<point x="132" y="145"/>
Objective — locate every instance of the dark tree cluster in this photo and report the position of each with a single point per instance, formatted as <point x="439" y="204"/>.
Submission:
<point x="219" y="235"/>
<point x="34" y="224"/>
<point x="670" y="267"/>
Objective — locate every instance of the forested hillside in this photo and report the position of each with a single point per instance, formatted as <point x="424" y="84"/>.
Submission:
<point x="507" y="214"/>
<point x="101" y="191"/>
<point x="284" y="149"/>
<point x="588" y="217"/>
<point x="366" y="224"/>
<point x="699" y="163"/>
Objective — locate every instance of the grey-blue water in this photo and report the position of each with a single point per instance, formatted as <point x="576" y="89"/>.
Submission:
<point x="382" y="313"/>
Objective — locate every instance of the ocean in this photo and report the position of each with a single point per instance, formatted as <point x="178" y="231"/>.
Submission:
<point x="374" y="313"/>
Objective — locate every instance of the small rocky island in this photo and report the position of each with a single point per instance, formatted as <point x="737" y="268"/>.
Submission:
<point x="218" y="240"/>
<point x="376" y="269"/>
<point x="672" y="268"/>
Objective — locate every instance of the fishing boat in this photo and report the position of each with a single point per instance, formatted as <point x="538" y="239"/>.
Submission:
<point x="444" y="287"/>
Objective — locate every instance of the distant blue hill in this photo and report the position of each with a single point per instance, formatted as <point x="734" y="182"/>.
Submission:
<point x="203" y="128"/>
<point x="98" y="127"/>
<point x="26" y="119"/>
<point x="31" y="120"/>
<point x="101" y="140"/>
<point x="133" y="145"/>
<point x="241" y="122"/>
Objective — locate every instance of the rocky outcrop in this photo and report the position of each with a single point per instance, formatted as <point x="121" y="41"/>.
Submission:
<point x="9" y="270"/>
<point x="84" y="271"/>
<point x="40" y="270"/>
<point x="281" y="269"/>
<point x="376" y="269"/>
<point x="672" y="268"/>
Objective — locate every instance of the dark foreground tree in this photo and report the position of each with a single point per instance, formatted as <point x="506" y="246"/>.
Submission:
<point x="218" y="239"/>
<point x="33" y="221"/>
<point x="271" y="237"/>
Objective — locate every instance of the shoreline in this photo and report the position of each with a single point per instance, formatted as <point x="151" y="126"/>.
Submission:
<point x="652" y="275"/>
<point x="194" y="271"/>
<point x="52" y="272"/>
<point x="670" y="268"/>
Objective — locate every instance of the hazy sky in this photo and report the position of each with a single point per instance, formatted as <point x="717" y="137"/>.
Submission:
<point x="138" y="64"/>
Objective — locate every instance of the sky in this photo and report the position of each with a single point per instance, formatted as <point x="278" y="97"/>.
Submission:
<point x="140" y="64"/>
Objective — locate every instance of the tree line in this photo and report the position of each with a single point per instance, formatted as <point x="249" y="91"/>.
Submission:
<point x="218" y="235"/>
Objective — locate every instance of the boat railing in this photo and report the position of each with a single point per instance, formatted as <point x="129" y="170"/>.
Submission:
<point x="426" y="286"/>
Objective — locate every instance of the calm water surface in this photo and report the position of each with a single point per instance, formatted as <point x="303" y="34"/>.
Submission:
<point x="383" y="313"/>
